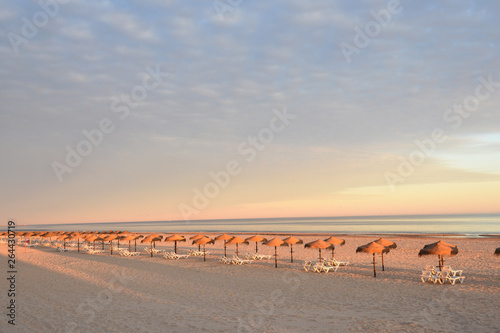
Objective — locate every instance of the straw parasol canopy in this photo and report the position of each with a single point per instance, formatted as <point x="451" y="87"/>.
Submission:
<point x="319" y="244"/>
<point x="291" y="241"/>
<point x="122" y="235"/>
<point x="204" y="240"/>
<point x="225" y="238"/>
<point x="497" y="251"/>
<point x="195" y="237"/>
<point x="373" y="248"/>
<point x="63" y="238"/>
<point x="256" y="239"/>
<point x="48" y="234"/>
<point x="131" y="237"/>
<point x="236" y="240"/>
<point x="152" y="239"/>
<point x="94" y="238"/>
<point x="335" y="241"/>
<point x="387" y="243"/>
<point x="275" y="242"/>
<point x="175" y="238"/>
<point x="440" y="249"/>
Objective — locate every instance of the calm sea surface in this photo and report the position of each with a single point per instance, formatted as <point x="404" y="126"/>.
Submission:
<point x="469" y="225"/>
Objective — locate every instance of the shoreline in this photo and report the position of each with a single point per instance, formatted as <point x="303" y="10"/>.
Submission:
<point x="306" y="234"/>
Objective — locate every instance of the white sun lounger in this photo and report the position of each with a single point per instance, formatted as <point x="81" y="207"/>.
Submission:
<point x="175" y="256"/>
<point x="324" y="267"/>
<point x="225" y="260"/>
<point x="445" y="276"/>
<point x="239" y="261"/>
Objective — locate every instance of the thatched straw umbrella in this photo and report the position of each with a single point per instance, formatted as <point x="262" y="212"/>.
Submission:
<point x="129" y="238"/>
<point x="137" y="236"/>
<point x="454" y="247"/>
<point x="122" y="235"/>
<point x="175" y="238"/>
<point x="63" y="238"/>
<point x="77" y="236"/>
<point x="440" y="249"/>
<point x="319" y="244"/>
<point x="387" y="243"/>
<point x="29" y="234"/>
<point x="237" y="240"/>
<point x="93" y="239"/>
<point x="275" y="242"/>
<point x="195" y="237"/>
<point x="224" y="238"/>
<point x="497" y="251"/>
<point x="335" y="241"/>
<point x="373" y="248"/>
<point x="204" y="240"/>
<point x="256" y="239"/>
<point x="110" y="238"/>
<point x="152" y="239"/>
<point x="291" y="241"/>
<point x="48" y="234"/>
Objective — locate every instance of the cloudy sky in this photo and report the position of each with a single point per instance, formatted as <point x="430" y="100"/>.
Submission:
<point x="166" y="110"/>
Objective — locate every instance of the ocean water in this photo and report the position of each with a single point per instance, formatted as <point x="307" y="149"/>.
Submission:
<point x="472" y="225"/>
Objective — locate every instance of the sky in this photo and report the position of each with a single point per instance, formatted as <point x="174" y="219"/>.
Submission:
<point x="168" y="110"/>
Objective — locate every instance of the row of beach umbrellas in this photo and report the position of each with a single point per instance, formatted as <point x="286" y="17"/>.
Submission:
<point x="380" y="246"/>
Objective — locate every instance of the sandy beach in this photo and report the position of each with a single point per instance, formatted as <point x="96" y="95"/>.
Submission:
<point x="77" y="292"/>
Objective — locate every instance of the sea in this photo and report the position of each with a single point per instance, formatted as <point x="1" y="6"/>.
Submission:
<point x="463" y="225"/>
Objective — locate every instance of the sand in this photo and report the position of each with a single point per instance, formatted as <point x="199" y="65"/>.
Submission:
<point x="76" y="292"/>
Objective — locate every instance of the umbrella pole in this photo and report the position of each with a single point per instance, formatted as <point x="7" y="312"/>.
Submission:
<point x="151" y="249"/>
<point x="320" y="260"/>
<point x="204" y="259"/>
<point x="94" y="245"/>
<point x="111" y="247"/>
<point x="383" y="268"/>
<point x="135" y="245"/>
<point x="256" y="249"/>
<point x="175" y="247"/>
<point x="291" y="253"/>
<point x="333" y="255"/>
<point x="275" y="257"/>
<point x="237" y="250"/>
<point x="64" y="243"/>
<point x="225" y="249"/>
<point x="374" y="268"/>
<point x="78" y="242"/>
<point x="129" y="246"/>
<point x="102" y="245"/>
